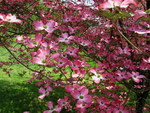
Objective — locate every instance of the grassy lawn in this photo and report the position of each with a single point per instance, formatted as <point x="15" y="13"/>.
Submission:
<point x="16" y="95"/>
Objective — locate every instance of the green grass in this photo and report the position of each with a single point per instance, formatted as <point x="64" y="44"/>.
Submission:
<point x="19" y="97"/>
<point x="16" y="95"/>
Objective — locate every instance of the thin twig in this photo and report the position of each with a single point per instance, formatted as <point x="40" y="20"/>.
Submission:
<point x="129" y="41"/>
<point x="52" y="80"/>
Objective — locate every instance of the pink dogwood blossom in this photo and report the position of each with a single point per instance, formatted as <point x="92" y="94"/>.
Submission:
<point x="42" y="55"/>
<point x="50" y="26"/>
<point x="9" y="18"/>
<point x="52" y="108"/>
<point x="117" y="3"/>
<point x="82" y="95"/>
<point x="82" y="106"/>
<point x="63" y="102"/>
<point x="70" y="89"/>
<point x="36" y="41"/>
<point x="44" y="91"/>
<point x="97" y="76"/>
<point x="65" y="38"/>
<point x="72" y="51"/>
<point x="136" y="77"/>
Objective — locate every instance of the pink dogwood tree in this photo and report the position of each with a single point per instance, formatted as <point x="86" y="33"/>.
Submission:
<point x="95" y="51"/>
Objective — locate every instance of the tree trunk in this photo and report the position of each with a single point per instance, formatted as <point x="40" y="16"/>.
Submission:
<point x="148" y="4"/>
<point x="141" y="98"/>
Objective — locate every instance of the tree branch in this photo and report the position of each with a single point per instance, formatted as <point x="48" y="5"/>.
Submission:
<point x="131" y="43"/>
<point x="52" y="80"/>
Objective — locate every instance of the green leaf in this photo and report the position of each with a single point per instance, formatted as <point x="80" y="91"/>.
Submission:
<point x="34" y="17"/>
<point x="124" y="14"/>
<point x="147" y="11"/>
<point x="107" y="14"/>
<point x="115" y="15"/>
<point x="143" y="19"/>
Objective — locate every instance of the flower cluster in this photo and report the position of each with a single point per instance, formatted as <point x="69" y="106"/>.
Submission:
<point x="95" y="54"/>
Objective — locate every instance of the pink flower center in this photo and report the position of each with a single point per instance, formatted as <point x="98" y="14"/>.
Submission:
<point x="35" y="42"/>
<point x="83" y="104"/>
<point x="102" y="103"/>
<point x="8" y="19"/>
<point x="44" y="61"/>
<point x="98" y="75"/>
<point x="44" y="26"/>
<point x="64" y="103"/>
<point x="81" y="97"/>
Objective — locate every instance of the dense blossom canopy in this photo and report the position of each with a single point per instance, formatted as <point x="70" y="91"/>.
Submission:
<point x="95" y="51"/>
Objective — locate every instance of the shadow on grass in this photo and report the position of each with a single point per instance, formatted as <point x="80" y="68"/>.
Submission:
<point x="20" y="97"/>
